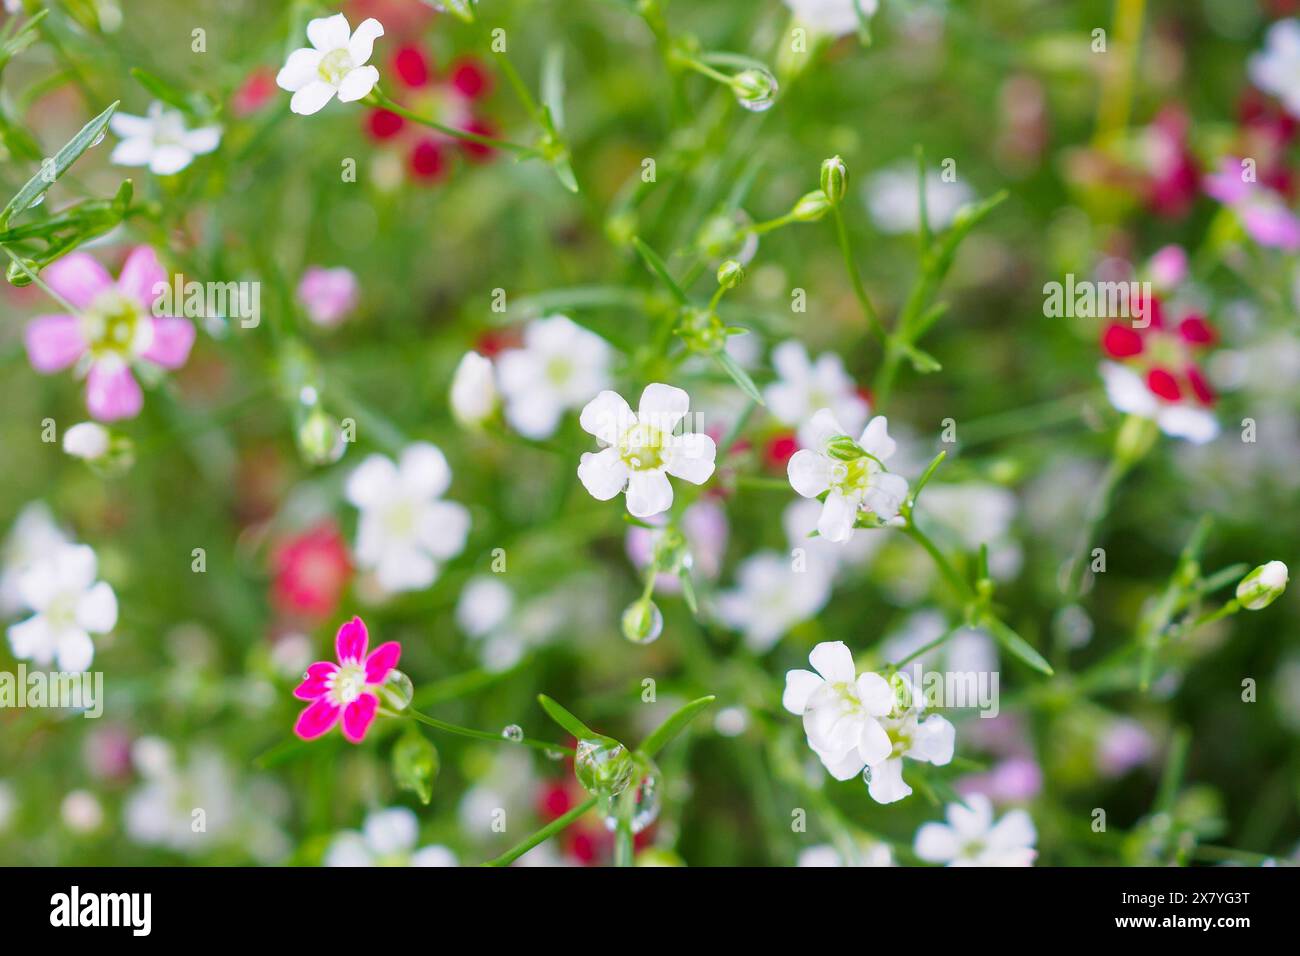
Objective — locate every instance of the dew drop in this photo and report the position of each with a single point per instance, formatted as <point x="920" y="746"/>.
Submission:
<point x="513" y="732"/>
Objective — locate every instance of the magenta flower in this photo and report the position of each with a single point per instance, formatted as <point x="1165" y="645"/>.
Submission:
<point x="345" y="689"/>
<point x="1263" y="213"/>
<point x="114" y="329"/>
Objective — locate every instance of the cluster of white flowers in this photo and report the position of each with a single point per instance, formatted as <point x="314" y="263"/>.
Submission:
<point x="54" y="579"/>
<point x="387" y="838"/>
<point x="971" y="838"/>
<point x="863" y="723"/>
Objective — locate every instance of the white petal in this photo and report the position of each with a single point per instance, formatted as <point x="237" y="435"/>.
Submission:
<point x="876" y="695"/>
<point x="433" y="855"/>
<point x="171" y="159"/>
<point x="1014" y="831"/>
<point x="790" y="359"/>
<point x="875" y="439"/>
<point x="442" y="528"/>
<point x="127" y="126"/>
<point x="299" y="70"/>
<point x="1126" y="390"/>
<point x="842" y="767"/>
<point x="799" y="686"/>
<point x="358" y="83"/>
<point x="132" y="152"/>
<point x="75" y="651"/>
<point x="887" y="784"/>
<point x="691" y="457"/>
<point x="363" y="40"/>
<point x="936" y="843"/>
<point x="391" y="831"/>
<point x="534" y="415"/>
<point x="405" y="569"/>
<point x="648" y="493"/>
<point x="1184" y="421"/>
<point x="604" y="474"/>
<point x="203" y="140"/>
<point x="972" y="820"/>
<point x="424" y="471"/>
<point x="75" y="568"/>
<point x="933" y="741"/>
<point x="662" y="406"/>
<point x="607" y="416"/>
<point x="311" y="98"/>
<point x="32" y="640"/>
<point x="874" y="745"/>
<point x="834" y="661"/>
<point x="348" y="849"/>
<point x="809" y="472"/>
<point x="822" y="429"/>
<point x="329" y="33"/>
<point x="886" y="494"/>
<point x="837" y="518"/>
<point x="97" y="609"/>
<point x="372" y="482"/>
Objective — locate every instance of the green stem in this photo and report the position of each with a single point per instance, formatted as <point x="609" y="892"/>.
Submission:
<point x="542" y="835"/>
<point x="924" y="649"/>
<point x="855" y="278"/>
<point x="434" y="722"/>
<point x="377" y="98"/>
<point x="949" y="572"/>
<point x="1097" y="510"/>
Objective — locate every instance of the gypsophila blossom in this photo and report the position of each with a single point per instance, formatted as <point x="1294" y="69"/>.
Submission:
<point x="34" y="536"/>
<point x="833" y="17"/>
<point x="474" y="396"/>
<point x="804" y="386"/>
<point x="328" y="295"/>
<point x="851" y="474"/>
<point x="387" y="838"/>
<point x="772" y="596"/>
<point x="561" y="366"/>
<point x="972" y="838"/>
<point x="310" y="571"/>
<point x="927" y="739"/>
<point x="345" y="693"/>
<point x="405" y="527"/>
<point x="841" y="710"/>
<point x="1154" y="372"/>
<point x="863" y="853"/>
<point x="69" y="606"/>
<point x="112" y="332"/>
<point x="160" y="140"/>
<point x="1263" y="212"/>
<point x="334" y="64"/>
<point x="1276" y="69"/>
<point x="642" y="450"/>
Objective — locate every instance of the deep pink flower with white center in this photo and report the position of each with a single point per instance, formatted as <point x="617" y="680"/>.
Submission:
<point x="347" y="689"/>
<point x="114" y="329"/>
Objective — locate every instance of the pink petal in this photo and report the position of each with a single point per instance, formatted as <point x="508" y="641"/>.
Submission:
<point x="172" y="339"/>
<point x="54" y="342"/>
<point x="77" y="278"/>
<point x="317" y="719"/>
<point x="357" y="717"/>
<point x="351" y="641"/>
<point x="112" y="392"/>
<point x="315" y="683"/>
<point x="382" y="660"/>
<point x="140" y="274"/>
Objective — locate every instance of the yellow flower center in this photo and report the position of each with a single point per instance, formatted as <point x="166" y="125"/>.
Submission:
<point x="335" y="65"/>
<point x="642" y="448"/>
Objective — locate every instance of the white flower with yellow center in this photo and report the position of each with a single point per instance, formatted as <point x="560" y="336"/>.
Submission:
<point x="851" y="474"/>
<point x="841" y="710"/>
<point x="69" y="606"/>
<point x="560" y="366"/>
<point x="929" y="740"/>
<point x="160" y="140"/>
<point x="405" y="527"/>
<point x="971" y="838"/>
<point x="642" y="450"/>
<point x="335" y="63"/>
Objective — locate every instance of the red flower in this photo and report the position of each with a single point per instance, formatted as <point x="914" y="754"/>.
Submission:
<point x="310" y="572"/>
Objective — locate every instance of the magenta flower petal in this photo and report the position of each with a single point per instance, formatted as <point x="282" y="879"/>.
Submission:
<point x="112" y="392"/>
<point x="316" y="682"/>
<point x="382" y="660"/>
<point x="141" y="273"/>
<point x="317" y="719"/>
<point x="172" y="339"/>
<point x="77" y="278"/>
<point x="351" y="641"/>
<point x="358" y="716"/>
<point x="54" y="342"/>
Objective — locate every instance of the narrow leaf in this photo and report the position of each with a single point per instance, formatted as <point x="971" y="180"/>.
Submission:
<point x="1018" y="646"/>
<point x="566" y="720"/>
<point x="659" y="268"/>
<point x="674" y="725"/>
<point x="739" y="376"/>
<point x="38" y="185"/>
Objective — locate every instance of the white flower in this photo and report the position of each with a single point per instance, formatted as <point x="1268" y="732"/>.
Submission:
<point x="929" y="741"/>
<point x="561" y="366"/>
<point x="70" y="606"/>
<point x="1277" y="69"/>
<point x="833" y="17"/>
<point x="34" y="536"/>
<point x="387" y="838"/>
<point x="405" y="528"/>
<point x="81" y="811"/>
<point x="771" y="597"/>
<point x="160" y="812"/>
<point x="334" y="63"/>
<point x="895" y="206"/>
<point x="854" y="481"/>
<point x="88" y="440"/>
<point x="642" y="450"/>
<point x="865" y="853"/>
<point x="805" y="386"/>
<point x="473" y="390"/>
<point x="971" y="838"/>
<point x="160" y="140"/>
<point x="1129" y="393"/>
<point x="841" y="710"/>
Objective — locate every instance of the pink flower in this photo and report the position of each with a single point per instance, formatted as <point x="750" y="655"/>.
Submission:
<point x="1264" y="213"/>
<point x="328" y="295"/>
<point x="345" y="689"/>
<point x="113" y="330"/>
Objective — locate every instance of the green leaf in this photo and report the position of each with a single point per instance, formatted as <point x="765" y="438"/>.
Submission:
<point x="552" y="86"/>
<point x="415" y="764"/>
<point x="1018" y="646"/>
<point x="37" y="186"/>
<point x="674" y="725"/>
<point x="659" y="268"/>
<point x="160" y="89"/>
<point x="566" y="720"/>
<point x="11" y="44"/>
<point x="688" y="590"/>
<point x="739" y="375"/>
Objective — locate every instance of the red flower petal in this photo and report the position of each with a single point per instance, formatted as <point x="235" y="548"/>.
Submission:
<point x="1164" y="385"/>
<point x="1120" y="341"/>
<point x="411" y="66"/>
<point x="315" y="683"/>
<point x="471" y="78"/>
<point x="1196" y="330"/>
<point x="358" y="716"/>
<point x="1154" y="309"/>
<point x="1200" y="387"/>
<point x="382" y="660"/>
<point x="317" y="719"/>
<point x="477" y="151"/>
<point x="428" y="161"/>
<point x="780" y="449"/>
<point x="351" y="640"/>
<point x="383" y="124"/>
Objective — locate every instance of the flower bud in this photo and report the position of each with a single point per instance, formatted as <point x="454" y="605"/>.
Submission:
<point x="87" y="440"/>
<point x="701" y="330"/>
<point x="844" y="448"/>
<point x="811" y="206"/>
<point x="320" y="439"/>
<point x="730" y="274"/>
<point x="473" y="390"/>
<point x="755" y="89"/>
<point x="1262" y="586"/>
<point x="835" y="179"/>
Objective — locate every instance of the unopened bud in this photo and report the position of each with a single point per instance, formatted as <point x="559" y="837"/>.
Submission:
<point x="730" y="274"/>
<point x="835" y="179"/>
<point x="811" y="206"/>
<point x="1262" y="586"/>
<point x="755" y="89"/>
